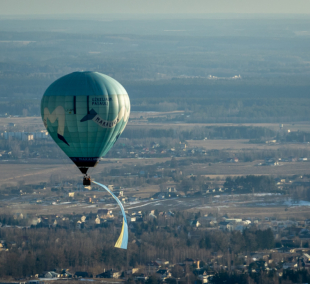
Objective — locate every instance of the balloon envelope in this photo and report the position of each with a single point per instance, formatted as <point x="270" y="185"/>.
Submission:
<point x="85" y="113"/>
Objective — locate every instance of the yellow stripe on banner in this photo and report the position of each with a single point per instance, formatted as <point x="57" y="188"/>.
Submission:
<point x="120" y="238"/>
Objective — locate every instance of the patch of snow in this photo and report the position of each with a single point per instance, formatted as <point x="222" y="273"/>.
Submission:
<point x="299" y="203"/>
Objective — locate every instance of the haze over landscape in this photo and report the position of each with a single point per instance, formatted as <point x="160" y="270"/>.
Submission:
<point x="212" y="168"/>
<point x="172" y="7"/>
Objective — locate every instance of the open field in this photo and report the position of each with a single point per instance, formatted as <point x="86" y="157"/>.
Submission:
<point x="36" y="122"/>
<point x="243" y="206"/>
<point x="227" y="169"/>
<point x="301" y="126"/>
<point x="298" y="213"/>
<point x="34" y="173"/>
<point x="40" y="170"/>
<point x="149" y="114"/>
<point x="23" y="123"/>
<point x="243" y="144"/>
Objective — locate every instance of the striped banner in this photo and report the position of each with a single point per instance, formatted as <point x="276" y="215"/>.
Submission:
<point x="122" y="241"/>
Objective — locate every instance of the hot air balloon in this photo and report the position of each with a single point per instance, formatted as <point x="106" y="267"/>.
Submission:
<point x="85" y="113"/>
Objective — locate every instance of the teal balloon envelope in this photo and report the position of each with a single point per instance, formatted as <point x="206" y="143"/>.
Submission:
<point x="85" y="113"/>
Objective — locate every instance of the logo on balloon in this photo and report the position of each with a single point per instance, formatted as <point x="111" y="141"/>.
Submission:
<point x="123" y="114"/>
<point x="57" y="114"/>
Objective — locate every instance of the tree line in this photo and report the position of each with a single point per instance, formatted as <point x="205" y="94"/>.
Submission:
<point x="34" y="250"/>
<point x="236" y="242"/>
<point x="251" y="183"/>
<point x="199" y="133"/>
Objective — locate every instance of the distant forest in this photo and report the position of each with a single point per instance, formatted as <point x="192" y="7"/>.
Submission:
<point x="195" y="70"/>
<point x="198" y="133"/>
<point x="204" y="101"/>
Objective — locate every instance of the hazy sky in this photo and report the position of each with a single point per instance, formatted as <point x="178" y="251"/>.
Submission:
<point x="24" y="7"/>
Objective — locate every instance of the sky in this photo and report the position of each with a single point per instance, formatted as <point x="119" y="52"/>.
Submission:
<point x="59" y="7"/>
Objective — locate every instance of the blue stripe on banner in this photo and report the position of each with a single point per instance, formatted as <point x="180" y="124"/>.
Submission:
<point x="122" y="241"/>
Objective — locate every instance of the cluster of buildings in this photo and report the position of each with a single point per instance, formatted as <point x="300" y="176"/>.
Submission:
<point x="26" y="136"/>
<point x="279" y="161"/>
<point x="103" y="217"/>
<point x="252" y="263"/>
<point x="180" y="150"/>
<point x="162" y="269"/>
<point x="290" y="252"/>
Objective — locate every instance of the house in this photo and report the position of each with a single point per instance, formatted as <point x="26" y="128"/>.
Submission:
<point x="271" y="141"/>
<point x="225" y="226"/>
<point x="51" y="274"/>
<point x="208" y="219"/>
<point x="183" y="146"/>
<point x="261" y="263"/>
<point x="65" y="273"/>
<point x="3" y="246"/>
<point x="152" y="266"/>
<point x="18" y="216"/>
<point x="132" y="271"/>
<point x="195" y="223"/>
<point x="81" y="274"/>
<point x="258" y="256"/>
<point x="306" y="257"/>
<point x="139" y="213"/>
<point x="133" y="198"/>
<point x="271" y="162"/>
<point x="105" y="213"/>
<point x="233" y="221"/>
<point x="109" y="274"/>
<point x="290" y="265"/>
<point x="171" y="189"/>
<point x="140" y="277"/>
<point x="232" y="160"/>
<point x="124" y="199"/>
<point x="152" y="214"/>
<point x="239" y="228"/>
<point x="285" y="250"/>
<point x="203" y="276"/>
<point x="153" y="263"/>
<point x="79" y="225"/>
<point x="163" y="273"/>
<point x="162" y="262"/>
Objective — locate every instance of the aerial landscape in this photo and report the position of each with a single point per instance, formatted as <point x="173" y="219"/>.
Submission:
<point x="212" y="170"/>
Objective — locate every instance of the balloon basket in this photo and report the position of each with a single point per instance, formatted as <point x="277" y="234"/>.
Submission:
<point x="86" y="181"/>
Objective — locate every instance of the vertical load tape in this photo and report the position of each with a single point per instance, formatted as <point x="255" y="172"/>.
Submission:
<point x="122" y="241"/>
